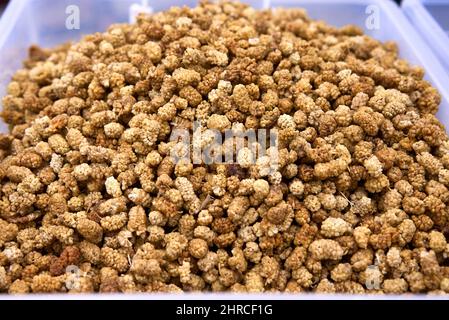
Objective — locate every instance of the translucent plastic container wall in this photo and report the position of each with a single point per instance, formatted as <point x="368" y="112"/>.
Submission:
<point x="431" y="19"/>
<point x="43" y="22"/>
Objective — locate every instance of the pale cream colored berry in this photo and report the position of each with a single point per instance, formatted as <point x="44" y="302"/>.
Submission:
<point x="113" y="130"/>
<point x="113" y="187"/>
<point x="245" y="158"/>
<point x="296" y="187"/>
<point x="394" y="257"/>
<point x="361" y="236"/>
<point x="82" y="172"/>
<point x="312" y="203"/>
<point x="325" y="249"/>
<point x="437" y="241"/>
<point x="286" y="121"/>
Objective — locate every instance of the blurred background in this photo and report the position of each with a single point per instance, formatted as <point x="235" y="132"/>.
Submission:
<point x="3" y="4"/>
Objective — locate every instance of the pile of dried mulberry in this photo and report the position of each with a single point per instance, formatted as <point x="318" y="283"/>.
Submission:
<point x="91" y="199"/>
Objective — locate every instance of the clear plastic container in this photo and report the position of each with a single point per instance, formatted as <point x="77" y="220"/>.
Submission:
<point x="431" y="19"/>
<point x="43" y="22"/>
